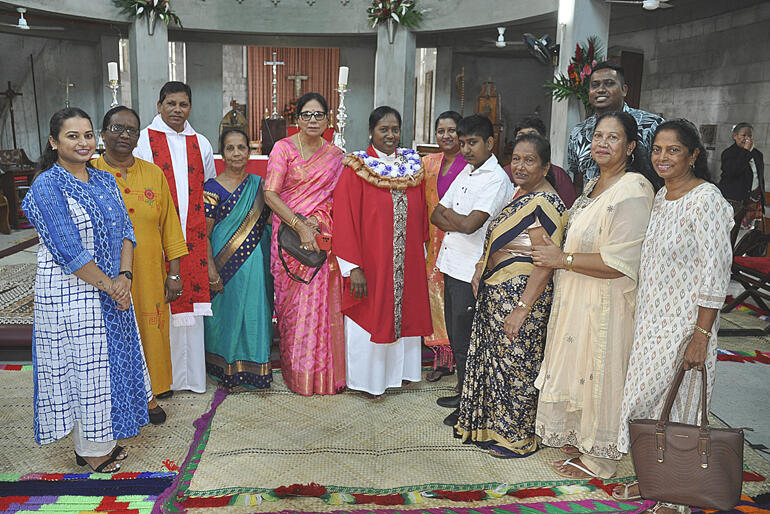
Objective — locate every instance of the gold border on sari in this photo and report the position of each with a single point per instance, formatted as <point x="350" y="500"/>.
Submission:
<point x="229" y="369"/>
<point x="243" y="231"/>
<point x="210" y="198"/>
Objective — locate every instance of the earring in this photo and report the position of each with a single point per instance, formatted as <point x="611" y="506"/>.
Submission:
<point x="632" y="158"/>
<point x="692" y="165"/>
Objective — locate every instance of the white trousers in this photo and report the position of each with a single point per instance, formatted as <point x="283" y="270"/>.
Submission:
<point x="188" y="357"/>
<point x="86" y="448"/>
<point x="373" y="367"/>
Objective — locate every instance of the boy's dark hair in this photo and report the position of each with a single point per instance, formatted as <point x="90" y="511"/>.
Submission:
<point x="617" y="68"/>
<point x="174" y="86"/>
<point x="476" y="125"/>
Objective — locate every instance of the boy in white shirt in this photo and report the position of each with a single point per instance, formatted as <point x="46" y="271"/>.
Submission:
<point x="476" y="196"/>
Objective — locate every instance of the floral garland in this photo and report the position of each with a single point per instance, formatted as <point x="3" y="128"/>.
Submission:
<point x="405" y="172"/>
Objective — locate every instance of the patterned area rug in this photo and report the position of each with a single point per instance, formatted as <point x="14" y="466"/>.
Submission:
<point x="17" y="284"/>
<point x="27" y="468"/>
<point x="254" y="449"/>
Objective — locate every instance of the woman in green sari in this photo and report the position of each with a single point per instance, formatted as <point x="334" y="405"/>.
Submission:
<point x="499" y="400"/>
<point x="239" y="334"/>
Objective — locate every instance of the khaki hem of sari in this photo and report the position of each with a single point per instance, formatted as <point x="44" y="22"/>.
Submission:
<point x="522" y="447"/>
<point x="252" y="375"/>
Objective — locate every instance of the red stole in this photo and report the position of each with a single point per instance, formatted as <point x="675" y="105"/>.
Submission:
<point x="193" y="266"/>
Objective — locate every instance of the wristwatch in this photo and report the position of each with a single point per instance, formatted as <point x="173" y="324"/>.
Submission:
<point x="127" y="274"/>
<point x="174" y="277"/>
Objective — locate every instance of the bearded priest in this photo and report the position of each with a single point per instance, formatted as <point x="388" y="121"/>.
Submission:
<point x="380" y="231"/>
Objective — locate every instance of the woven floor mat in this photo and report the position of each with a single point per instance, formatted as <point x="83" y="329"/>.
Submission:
<point x="260" y="441"/>
<point x="17" y="284"/>
<point x="156" y="448"/>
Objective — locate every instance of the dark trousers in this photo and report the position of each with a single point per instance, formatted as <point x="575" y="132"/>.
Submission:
<point x="459" y="306"/>
<point x="740" y="208"/>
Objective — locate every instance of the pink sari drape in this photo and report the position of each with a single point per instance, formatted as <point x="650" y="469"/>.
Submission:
<point x="312" y="341"/>
<point x="436" y="185"/>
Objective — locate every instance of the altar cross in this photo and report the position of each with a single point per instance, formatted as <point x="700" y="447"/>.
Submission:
<point x="10" y="94"/>
<point x="297" y="78"/>
<point x="275" y="63"/>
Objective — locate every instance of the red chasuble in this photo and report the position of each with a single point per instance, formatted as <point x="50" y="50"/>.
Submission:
<point x="383" y="231"/>
<point x="193" y="266"/>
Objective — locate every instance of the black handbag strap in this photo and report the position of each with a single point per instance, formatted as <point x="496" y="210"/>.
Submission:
<point x="292" y="275"/>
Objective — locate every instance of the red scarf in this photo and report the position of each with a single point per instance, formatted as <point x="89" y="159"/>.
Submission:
<point x="193" y="266"/>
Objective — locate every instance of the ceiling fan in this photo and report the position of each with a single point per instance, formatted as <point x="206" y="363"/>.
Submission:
<point x="542" y="49"/>
<point x="649" y="5"/>
<point x="500" y="42"/>
<point x="23" y="25"/>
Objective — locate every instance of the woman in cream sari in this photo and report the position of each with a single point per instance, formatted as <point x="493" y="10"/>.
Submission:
<point x="591" y="326"/>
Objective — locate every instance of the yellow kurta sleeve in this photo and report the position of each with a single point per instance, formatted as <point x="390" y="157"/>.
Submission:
<point x="171" y="234"/>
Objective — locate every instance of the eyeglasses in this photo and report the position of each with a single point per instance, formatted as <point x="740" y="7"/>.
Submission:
<point x="119" y="129"/>
<point x="306" y="115"/>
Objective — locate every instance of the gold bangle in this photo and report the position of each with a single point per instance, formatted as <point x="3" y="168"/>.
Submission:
<point x="293" y="221"/>
<point x="570" y="260"/>
<point x="703" y="331"/>
<point x="523" y="305"/>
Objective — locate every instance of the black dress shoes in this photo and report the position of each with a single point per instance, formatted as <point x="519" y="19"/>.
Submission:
<point x="450" y="402"/>
<point x="451" y="420"/>
<point x="163" y="396"/>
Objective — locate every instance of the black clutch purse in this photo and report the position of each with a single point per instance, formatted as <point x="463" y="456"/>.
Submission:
<point x="289" y="242"/>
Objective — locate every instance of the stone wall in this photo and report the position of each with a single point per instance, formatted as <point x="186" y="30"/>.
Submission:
<point x="235" y="83"/>
<point x="713" y="70"/>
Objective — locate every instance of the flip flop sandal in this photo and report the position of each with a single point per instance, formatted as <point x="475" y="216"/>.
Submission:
<point x="100" y="468"/>
<point x="568" y="462"/>
<point x="625" y="497"/>
<point x="117" y="451"/>
<point x="437" y="374"/>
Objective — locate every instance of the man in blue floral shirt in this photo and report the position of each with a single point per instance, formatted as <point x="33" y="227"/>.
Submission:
<point x="606" y="91"/>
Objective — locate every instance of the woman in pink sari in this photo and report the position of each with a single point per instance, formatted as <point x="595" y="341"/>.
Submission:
<point x="441" y="168"/>
<point x="301" y="174"/>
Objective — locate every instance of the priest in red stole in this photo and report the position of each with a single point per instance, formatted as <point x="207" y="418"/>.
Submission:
<point x="380" y="230"/>
<point x="187" y="160"/>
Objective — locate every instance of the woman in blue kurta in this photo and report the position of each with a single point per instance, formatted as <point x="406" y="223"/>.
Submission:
<point x="239" y="334"/>
<point x="89" y="372"/>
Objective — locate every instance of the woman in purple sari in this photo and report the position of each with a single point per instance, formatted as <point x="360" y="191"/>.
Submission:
<point x="440" y="170"/>
<point x="301" y="174"/>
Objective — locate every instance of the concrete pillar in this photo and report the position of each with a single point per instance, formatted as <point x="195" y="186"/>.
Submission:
<point x="577" y="20"/>
<point x="149" y="66"/>
<point x="204" y="76"/>
<point x="108" y="52"/>
<point x="394" y="76"/>
<point x="444" y="80"/>
<point x="359" y="101"/>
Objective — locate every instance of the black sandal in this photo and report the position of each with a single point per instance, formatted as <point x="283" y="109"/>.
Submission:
<point x="100" y="468"/>
<point x="437" y="374"/>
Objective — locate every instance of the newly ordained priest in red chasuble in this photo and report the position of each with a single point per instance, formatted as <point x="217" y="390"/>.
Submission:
<point x="380" y="230"/>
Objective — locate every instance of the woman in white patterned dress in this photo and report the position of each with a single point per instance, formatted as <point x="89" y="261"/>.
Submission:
<point x="683" y="278"/>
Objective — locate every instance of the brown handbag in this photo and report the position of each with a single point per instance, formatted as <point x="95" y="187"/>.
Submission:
<point x="687" y="464"/>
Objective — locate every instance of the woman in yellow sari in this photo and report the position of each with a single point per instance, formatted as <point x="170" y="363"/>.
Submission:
<point x="441" y="168"/>
<point x="159" y="239"/>
<point x="592" y="318"/>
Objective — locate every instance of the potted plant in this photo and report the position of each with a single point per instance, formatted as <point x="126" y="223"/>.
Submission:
<point x="152" y="9"/>
<point x="391" y="12"/>
<point x="581" y="66"/>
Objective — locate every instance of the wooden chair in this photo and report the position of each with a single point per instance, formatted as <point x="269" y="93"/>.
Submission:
<point x="753" y="273"/>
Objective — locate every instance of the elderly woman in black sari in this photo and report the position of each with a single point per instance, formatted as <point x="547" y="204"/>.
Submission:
<point x="499" y="400"/>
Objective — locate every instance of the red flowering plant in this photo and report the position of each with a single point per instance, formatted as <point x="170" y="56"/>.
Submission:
<point x="581" y="66"/>
<point x="290" y="112"/>
<point x="404" y="12"/>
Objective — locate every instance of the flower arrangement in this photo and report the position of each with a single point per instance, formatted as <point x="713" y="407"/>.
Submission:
<point x="407" y="163"/>
<point x="290" y="111"/>
<point x="150" y="8"/>
<point x="581" y="66"/>
<point x="404" y="12"/>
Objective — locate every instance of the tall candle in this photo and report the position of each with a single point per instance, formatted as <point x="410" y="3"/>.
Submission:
<point x="112" y="71"/>
<point x="343" y="79"/>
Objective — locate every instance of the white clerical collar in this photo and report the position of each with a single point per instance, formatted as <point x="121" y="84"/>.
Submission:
<point x="384" y="157"/>
<point x="161" y="126"/>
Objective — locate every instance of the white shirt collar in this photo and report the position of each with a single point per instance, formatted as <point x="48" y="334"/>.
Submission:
<point x="383" y="157"/>
<point x="161" y="126"/>
<point x="488" y="165"/>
